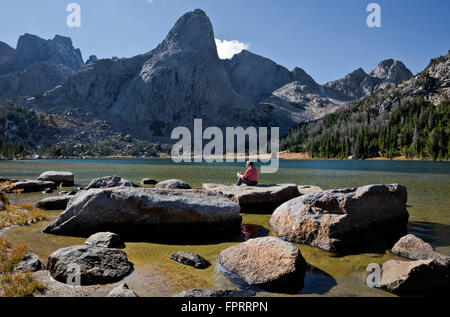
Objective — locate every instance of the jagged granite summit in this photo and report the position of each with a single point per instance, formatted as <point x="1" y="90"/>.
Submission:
<point x="149" y="94"/>
<point x="36" y="65"/>
<point x="359" y="84"/>
<point x="180" y="80"/>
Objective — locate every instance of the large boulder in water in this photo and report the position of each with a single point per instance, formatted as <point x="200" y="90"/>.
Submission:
<point x="54" y="203"/>
<point x="141" y="211"/>
<point x="95" y="265"/>
<point x="267" y="262"/>
<point x="261" y="198"/>
<point x="64" y="178"/>
<point x="33" y="186"/>
<point x="336" y="220"/>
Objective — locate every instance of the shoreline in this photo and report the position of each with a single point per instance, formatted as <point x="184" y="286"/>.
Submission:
<point x="281" y="156"/>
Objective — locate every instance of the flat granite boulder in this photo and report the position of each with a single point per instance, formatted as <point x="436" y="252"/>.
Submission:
<point x="173" y="184"/>
<point x="147" y="212"/>
<point x="308" y="189"/>
<point x="421" y="277"/>
<point x="54" y="203"/>
<point x="95" y="265"/>
<point x="267" y="262"/>
<point x="109" y="182"/>
<point x="33" y="186"/>
<point x="414" y="248"/>
<point x="260" y="199"/>
<point x="64" y="178"/>
<point x="337" y="220"/>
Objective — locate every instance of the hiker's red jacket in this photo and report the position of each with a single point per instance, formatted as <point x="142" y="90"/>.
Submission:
<point x="251" y="174"/>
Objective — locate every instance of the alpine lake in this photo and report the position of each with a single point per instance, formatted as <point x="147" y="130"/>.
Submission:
<point x="155" y="274"/>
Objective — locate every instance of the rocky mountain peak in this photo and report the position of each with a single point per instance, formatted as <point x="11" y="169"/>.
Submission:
<point x="391" y="70"/>
<point x="32" y="49"/>
<point x="192" y="32"/>
<point x="7" y="58"/>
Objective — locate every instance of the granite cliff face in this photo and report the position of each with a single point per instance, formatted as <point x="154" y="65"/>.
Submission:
<point x="36" y="64"/>
<point x="182" y="79"/>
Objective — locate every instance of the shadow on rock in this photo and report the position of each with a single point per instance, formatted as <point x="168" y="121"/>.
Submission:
<point x="293" y="286"/>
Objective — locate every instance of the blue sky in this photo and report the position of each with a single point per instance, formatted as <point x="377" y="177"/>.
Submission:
<point x="327" y="38"/>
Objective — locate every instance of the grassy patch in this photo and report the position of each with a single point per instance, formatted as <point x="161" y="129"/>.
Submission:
<point x="21" y="215"/>
<point x="15" y="284"/>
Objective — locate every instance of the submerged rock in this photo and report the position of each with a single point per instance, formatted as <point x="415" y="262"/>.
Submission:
<point x="261" y="198"/>
<point x="198" y="292"/>
<point x="190" y="259"/>
<point x="108" y="182"/>
<point x="54" y="203"/>
<point x="2" y="206"/>
<point x="29" y="263"/>
<point x="414" y="248"/>
<point x="421" y="277"/>
<point x="267" y="262"/>
<point x="95" y="265"/>
<point x="47" y="191"/>
<point x="122" y="291"/>
<point x="173" y="184"/>
<point x="65" y="178"/>
<point x="141" y="211"/>
<point x="104" y="239"/>
<point x="336" y="220"/>
<point x="33" y="186"/>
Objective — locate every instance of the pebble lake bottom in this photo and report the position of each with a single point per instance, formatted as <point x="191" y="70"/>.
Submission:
<point x="428" y="185"/>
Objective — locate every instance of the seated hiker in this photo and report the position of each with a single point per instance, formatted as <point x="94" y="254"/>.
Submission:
<point x="250" y="177"/>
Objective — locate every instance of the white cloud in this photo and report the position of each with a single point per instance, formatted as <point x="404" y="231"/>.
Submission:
<point x="226" y="49"/>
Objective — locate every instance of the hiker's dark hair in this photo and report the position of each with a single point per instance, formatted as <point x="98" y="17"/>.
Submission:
<point x="251" y="164"/>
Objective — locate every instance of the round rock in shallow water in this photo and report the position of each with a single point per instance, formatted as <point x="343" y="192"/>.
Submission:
<point x="414" y="248"/>
<point x="146" y="212"/>
<point x="173" y="184"/>
<point x="267" y="262"/>
<point x="95" y="265"/>
<point x="104" y="239"/>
